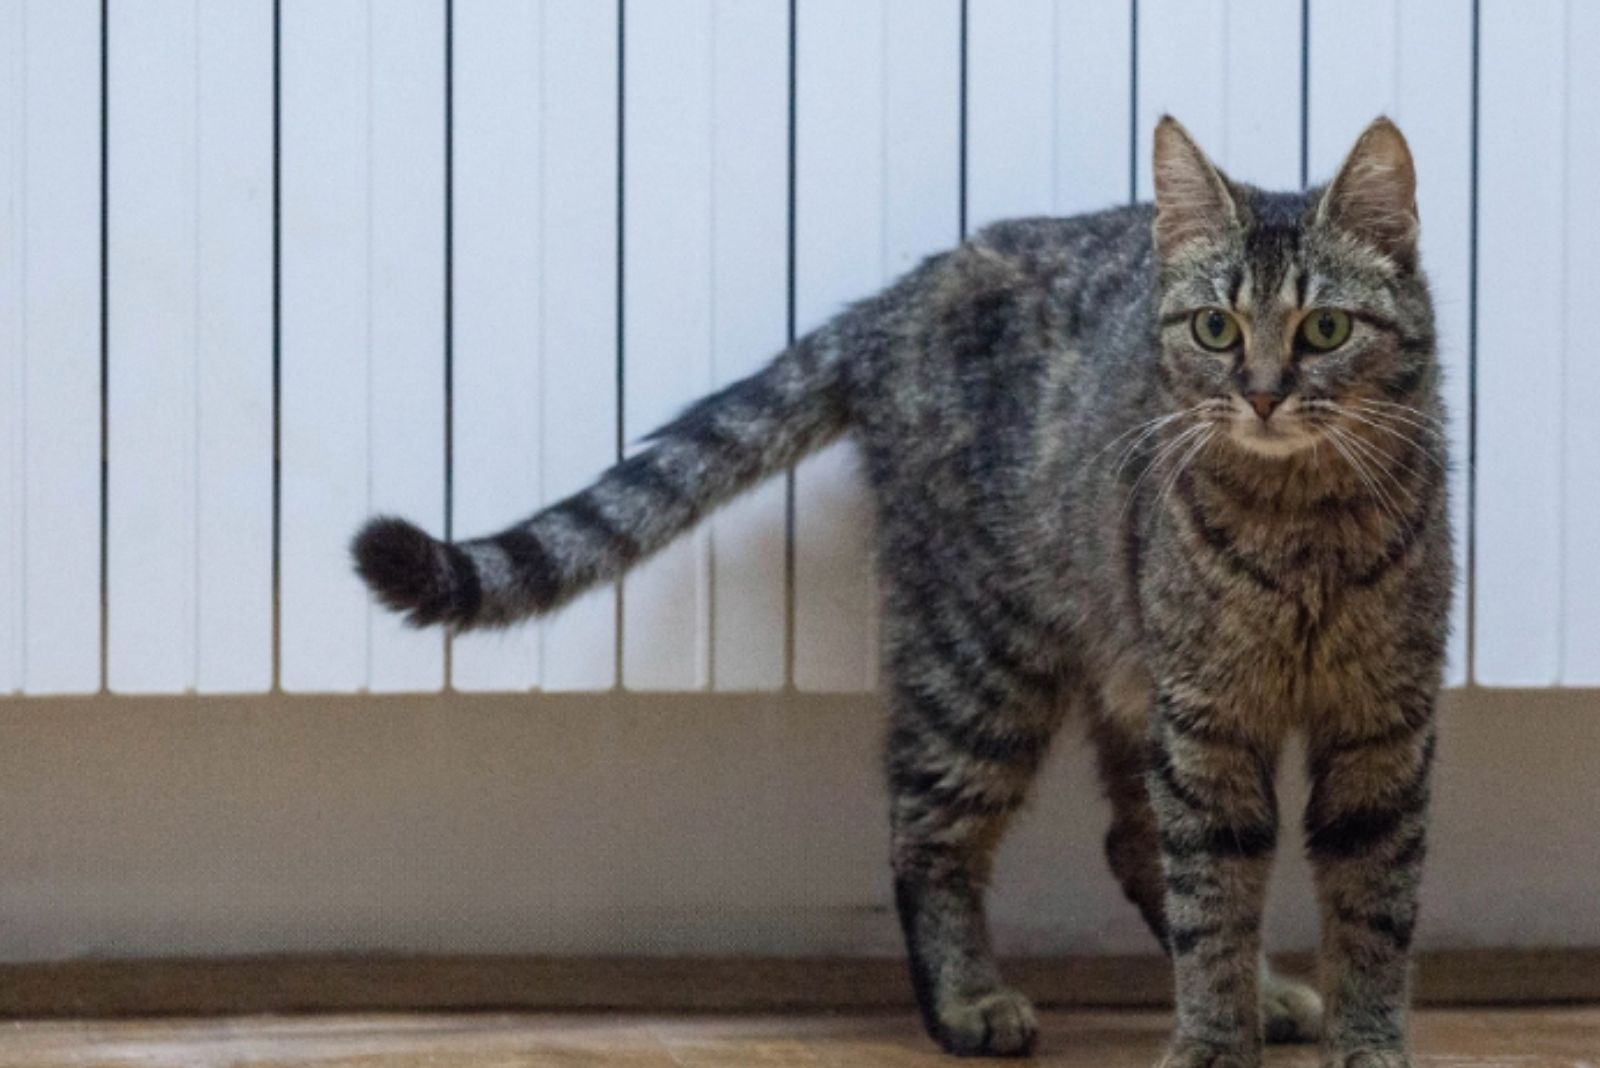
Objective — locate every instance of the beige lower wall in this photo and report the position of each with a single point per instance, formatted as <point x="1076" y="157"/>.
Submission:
<point x="649" y="825"/>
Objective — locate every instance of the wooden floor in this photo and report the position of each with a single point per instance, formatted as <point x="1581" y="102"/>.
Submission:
<point x="1517" y="1038"/>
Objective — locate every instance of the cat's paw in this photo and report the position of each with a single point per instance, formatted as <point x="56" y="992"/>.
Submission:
<point x="1367" y="1058"/>
<point x="1000" y="1023"/>
<point x="1290" y="1011"/>
<point x="1201" y="1055"/>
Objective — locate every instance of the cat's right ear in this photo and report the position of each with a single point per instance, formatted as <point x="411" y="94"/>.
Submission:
<point x="1192" y="198"/>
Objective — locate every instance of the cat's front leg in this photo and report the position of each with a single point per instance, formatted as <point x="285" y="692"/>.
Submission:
<point x="1212" y="788"/>
<point x="1366" y="828"/>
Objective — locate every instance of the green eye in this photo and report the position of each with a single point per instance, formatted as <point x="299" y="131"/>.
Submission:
<point x="1325" y="329"/>
<point x="1215" y="329"/>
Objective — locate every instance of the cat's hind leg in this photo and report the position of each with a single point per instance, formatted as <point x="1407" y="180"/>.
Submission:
<point x="969" y="729"/>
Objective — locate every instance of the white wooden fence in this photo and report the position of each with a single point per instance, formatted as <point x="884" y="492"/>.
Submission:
<point x="269" y="267"/>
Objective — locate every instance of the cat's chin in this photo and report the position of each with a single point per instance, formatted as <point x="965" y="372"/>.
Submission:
<point x="1269" y="443"/>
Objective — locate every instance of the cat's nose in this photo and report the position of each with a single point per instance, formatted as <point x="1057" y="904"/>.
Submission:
<point x="1264" y="402"/>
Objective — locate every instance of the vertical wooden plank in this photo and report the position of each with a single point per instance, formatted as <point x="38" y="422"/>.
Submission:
<point x="234" y="293"/>
<point x="405" y="369"/>
<point x="498" y="262"/>
<point x="325" y="203"/>
<point x="1094" y="57"/>
<point x="1521" y="171"/>
<point x="667" y="312"/>
<point x="13" y="367"/>
<point x="839" y="197"/>
<point x="190" y="394"/>
<point x="921" y="139"/>
<point x="851" y="237"/>
<point x="1012" y="104"/>
<point x="1344" y="96"/>
<point x="362" y="362"/>
<point x="61" y="309"/>
<point x="1048" y="108"/>
<point x="705" y="216"/>
<point x="750" y="273"/>
<point x="1417" y="69"/>
<point x="1580" y="623"/>
<point x="1229" y="70"/>
<point x="579" y="413"/>
<point x="1261" y="93"/>
<point x="1434" y="106"/>
<point x="1182" y="63"/>
<point x="152" y="347"/>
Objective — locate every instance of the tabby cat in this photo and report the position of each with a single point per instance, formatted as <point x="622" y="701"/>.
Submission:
<point x="1177" y="468"/>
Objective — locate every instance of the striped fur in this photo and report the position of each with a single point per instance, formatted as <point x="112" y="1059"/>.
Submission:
<point x="720" y="446"/>
<point x="1078" y="508"/>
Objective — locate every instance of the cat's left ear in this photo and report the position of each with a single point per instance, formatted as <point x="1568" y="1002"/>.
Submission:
<point x="1192" y="197"/>
<point x="1374" y="196"/>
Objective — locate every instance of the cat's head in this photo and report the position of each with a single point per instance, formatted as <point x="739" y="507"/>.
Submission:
<point x="1288" y="318"/>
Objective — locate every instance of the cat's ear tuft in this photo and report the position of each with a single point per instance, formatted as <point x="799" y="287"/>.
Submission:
<point x="1373" y="198"/>
<point x="1192" y="197"/>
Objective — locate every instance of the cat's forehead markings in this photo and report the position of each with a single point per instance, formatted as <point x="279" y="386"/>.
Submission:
<point x="1313" y="290"/>
<point x="1245" y="293"/>
<point x="1289" y="292"/>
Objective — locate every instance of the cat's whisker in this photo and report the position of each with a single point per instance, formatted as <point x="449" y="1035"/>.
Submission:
<point x="1404" y="412"/>
<point x="1396" y="417"/>
<point x="1132" y="451"/>
<point x="1376" y="422"/>
<point x="1384" y="464"/>
<point x="1158" y="421"/>
<point x="1166" y="451"/>
<point x="1359" y="471"/>
<point x="1341" y="441"/>
<point x="1183" y="464"/>
<point x="1145" y="430"/>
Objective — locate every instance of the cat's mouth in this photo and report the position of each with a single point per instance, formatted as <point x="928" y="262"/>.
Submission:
<point x="1284" y="433"/>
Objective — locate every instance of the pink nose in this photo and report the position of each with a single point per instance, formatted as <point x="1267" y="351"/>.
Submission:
<point x="1263" y="403"/>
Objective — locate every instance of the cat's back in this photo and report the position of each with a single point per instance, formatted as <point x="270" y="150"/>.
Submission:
<point x="979" y="362"/>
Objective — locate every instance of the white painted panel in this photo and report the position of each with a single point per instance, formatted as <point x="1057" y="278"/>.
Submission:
<point x="60" y="311"/>
<point x="1580" y="623"/>
<point x="1049" y="93"/>
<point x="580" y="304"/>
<point x="13" y="367"/>
<point x="1261" y="93"/>
<point x="325" y="78"/>
<point x="1012" y="145"/>
<point x="497" y="260"/>
<point x="1434" y="107"/>
<point x="864" y="210"/>
<point x="706" y="215"/>
<point x="190" y="403"/>
<point x="234" y="384"/>
<point x="1229" y="70"/>
<point x="1094" y="104"/>
<point x="1182" y="72"/>
<point x="667" y="312"/>
<point x="1418" y="70"/>
<point x="750" y="269"/>
<point x="922" y="145"/>
<point x="152" y="221"/>
<point x="405" y="368"/>
<point x="1344" y="97"/>
<point x="362" y="362"/>
<point x="1517" y="586"/>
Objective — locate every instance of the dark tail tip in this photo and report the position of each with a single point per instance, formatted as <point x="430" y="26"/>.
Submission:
<point x="412" y="572"/>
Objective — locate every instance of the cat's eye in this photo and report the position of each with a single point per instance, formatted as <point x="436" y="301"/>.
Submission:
<point x="1215" y="329"/>
<point x="1325" y="329"/>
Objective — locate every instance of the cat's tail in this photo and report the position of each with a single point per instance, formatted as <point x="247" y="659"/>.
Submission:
<point x="720" y="446"/>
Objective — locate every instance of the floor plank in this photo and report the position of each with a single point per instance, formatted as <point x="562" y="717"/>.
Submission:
<point x="1453" y="1038"/>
